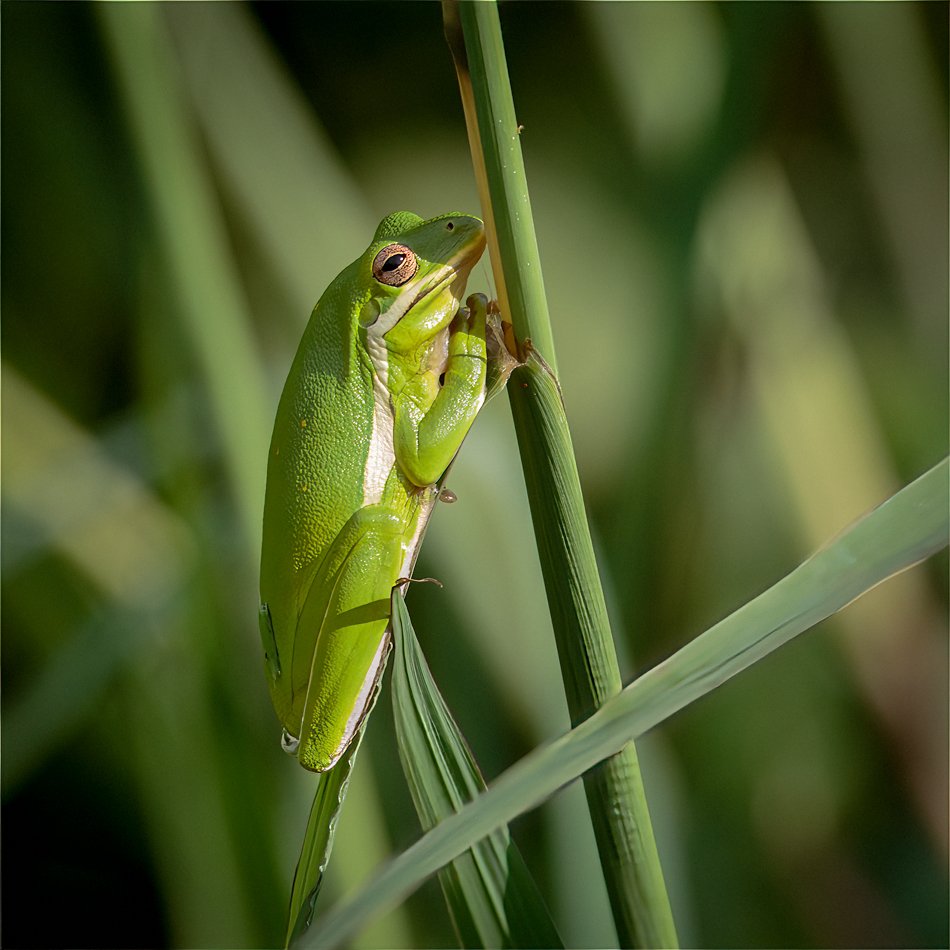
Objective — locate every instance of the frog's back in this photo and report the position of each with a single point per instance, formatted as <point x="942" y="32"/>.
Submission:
<point x="318" y="449"/>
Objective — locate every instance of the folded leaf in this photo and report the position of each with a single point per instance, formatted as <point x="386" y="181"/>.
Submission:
<point x="492" y="898"/>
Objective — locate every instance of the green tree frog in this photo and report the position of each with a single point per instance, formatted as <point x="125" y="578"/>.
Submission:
<point x="388" y="378"/>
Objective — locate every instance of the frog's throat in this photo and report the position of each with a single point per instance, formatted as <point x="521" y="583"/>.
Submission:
<point x="381" y="456"/>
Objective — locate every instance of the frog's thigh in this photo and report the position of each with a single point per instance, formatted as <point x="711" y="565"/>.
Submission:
<point x="348" y="608"/>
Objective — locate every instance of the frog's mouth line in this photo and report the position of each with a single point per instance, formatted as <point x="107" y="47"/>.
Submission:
<point x="455" y="271"/>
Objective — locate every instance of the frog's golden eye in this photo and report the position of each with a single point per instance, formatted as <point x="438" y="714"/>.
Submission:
<point x="394" y="265"/>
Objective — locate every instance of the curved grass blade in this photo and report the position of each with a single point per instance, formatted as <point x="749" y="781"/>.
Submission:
<point x="907" y="528"/>
<point x="491" y="896"/>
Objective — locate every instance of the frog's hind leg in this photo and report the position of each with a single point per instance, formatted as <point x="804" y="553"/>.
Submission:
<point x="345" y="618"/>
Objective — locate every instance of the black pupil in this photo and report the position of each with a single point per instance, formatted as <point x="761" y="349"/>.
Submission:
<point x="394" y="262"/>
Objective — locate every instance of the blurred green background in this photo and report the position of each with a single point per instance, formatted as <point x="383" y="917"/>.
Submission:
<point x="742" y="212"/>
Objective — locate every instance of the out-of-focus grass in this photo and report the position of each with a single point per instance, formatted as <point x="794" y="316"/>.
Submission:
<point x="746" y="265"/>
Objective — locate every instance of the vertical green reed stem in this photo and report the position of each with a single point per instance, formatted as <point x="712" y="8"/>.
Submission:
<point x="588" y="659"/>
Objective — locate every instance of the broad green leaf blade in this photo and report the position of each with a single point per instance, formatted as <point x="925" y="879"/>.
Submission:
<point x="318" y="842"/>
<point x="909" y="527"/>
<point x="492" y="898"/>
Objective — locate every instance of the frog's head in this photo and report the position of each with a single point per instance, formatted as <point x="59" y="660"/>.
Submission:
<point x="417" y="272"/>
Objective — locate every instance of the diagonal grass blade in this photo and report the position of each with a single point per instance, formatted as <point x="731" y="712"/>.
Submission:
<point x="909" y="527"/>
